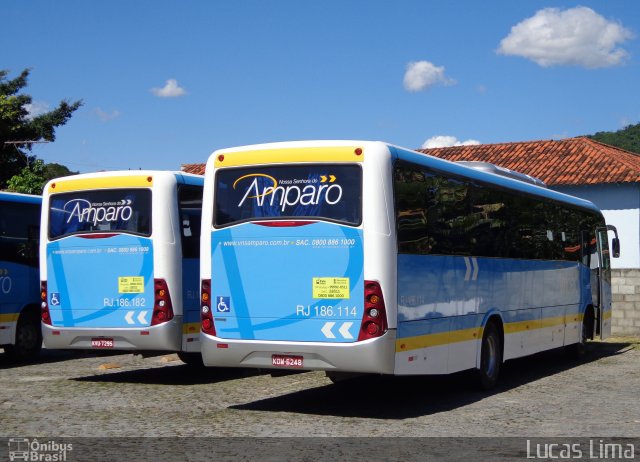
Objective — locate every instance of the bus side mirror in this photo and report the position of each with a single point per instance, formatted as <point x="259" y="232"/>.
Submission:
<point x="615" y="244"/>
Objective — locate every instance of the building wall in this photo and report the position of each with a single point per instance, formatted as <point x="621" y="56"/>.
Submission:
<point x="620" y="205"/>
<point x="626" y="302"/>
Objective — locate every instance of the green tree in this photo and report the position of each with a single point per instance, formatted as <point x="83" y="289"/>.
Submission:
<point x="16" y="124"/>
<point x="628" y="138"/>
<point x="56" y="171"/>
<point x="30" y="180"/>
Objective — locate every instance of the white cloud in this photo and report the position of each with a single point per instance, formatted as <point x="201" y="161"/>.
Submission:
<point x="171" y="89"/>
<point x="446" y="141"/>
<point x="575" y="37"/>
<point x="36" y="108"/>
<point x="106" y="116"/>
<point x="422" y="74"/>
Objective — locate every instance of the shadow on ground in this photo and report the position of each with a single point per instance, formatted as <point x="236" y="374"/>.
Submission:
<point x="385" y="397"/>
<point x="54" y="356"/>
<point x="181" y="374"/>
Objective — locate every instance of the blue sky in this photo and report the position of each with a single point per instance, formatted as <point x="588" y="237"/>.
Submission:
<point x="167" y="82"/>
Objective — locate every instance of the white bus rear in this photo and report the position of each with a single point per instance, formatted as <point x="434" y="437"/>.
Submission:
<point x="119" y="261"/>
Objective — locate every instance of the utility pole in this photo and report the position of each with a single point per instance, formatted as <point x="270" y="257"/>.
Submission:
<point x="19" y="143"/>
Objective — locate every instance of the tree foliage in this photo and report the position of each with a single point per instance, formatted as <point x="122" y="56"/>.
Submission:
<point x="16" y="124"/>
<point x="30" y="180"/>
<point x="628" y="138"/>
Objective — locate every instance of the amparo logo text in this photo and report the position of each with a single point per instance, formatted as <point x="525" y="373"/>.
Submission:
<point x="261" y="188"/>
<point x="85" y="212"/>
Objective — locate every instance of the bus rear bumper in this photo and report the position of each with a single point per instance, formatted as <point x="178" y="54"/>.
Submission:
<point x="368" y="356"/>
<point x="163" y="337"/>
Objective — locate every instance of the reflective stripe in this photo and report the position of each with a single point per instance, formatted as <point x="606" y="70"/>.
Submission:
<point x="133" y="181"/>
<point x="290" y="155"/>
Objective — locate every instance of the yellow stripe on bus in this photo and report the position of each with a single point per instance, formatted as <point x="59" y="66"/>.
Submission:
<point x="440" y="338"/>
<point x="464" y="335"/>
<point x="130" y="181"/>
<point x="9" y="317"/>
<point x="290" y="155"/>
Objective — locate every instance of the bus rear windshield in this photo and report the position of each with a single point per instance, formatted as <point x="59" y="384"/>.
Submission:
<point x="318" y="191"/>
<point x="100" y="211"/>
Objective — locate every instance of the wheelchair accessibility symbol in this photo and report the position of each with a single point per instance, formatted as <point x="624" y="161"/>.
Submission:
<point x="223" y="304"/>
<point x="55" y="299"/>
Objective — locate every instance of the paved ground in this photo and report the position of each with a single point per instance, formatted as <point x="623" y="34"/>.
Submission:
<point x="67" y="394"/>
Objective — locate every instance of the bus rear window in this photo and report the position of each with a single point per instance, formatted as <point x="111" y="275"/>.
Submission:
<point x="100" y="211"/>
<point x="318" y="191"/>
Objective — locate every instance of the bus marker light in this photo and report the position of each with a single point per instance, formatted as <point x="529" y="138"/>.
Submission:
<point x="358" y="151"/>
<point x="163" y="308"/>
<point x="374" y="320"/>
<point x="206" y="317"/>
<point x="45" y="316"/>
<point x="221" y="157"/>
<point x="222" y="345"/>
<point x="144" y="332"/>
<point x="55" y="332"/>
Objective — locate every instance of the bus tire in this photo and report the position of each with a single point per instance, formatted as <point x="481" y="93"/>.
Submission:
<point x="191" y="359"/>
<point x="581" y="349"/>
<point x="490" y="357"/>
<point x="28" y="338"/>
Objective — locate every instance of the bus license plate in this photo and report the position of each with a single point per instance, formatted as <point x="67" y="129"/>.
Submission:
<point x="101" y="343"/>
<point x="287" y="361"/>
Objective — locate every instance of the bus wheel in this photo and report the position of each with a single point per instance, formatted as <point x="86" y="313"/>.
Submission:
<point x="580" y="349"/>
<point x="490" y="357"/>
<point x="28" y="338"/>
<point x="191" y="359"/>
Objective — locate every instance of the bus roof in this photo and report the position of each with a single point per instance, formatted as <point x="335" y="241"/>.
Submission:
<point x="84" y="181"/>
<point x="455" y="168"/>
<point x="436" y="163"/>
<point x="21" y="198"/>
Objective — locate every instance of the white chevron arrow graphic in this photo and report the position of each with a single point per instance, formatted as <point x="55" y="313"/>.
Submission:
<point x="472" y="268"/>
<point x="141" y="318"/>
<point x="129" y="317"/>
<point x="326" y="329"/>
<point x="344" y="330"/>
<point x="467" y="264"/>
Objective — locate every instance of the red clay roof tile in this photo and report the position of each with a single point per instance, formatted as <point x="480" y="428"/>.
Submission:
<point x="572" y="161"/>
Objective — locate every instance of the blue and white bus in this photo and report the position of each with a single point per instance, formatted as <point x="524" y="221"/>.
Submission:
<point x="20" y="334"/>
<point x="120" y="259"/>
<point x="351" y="256"/>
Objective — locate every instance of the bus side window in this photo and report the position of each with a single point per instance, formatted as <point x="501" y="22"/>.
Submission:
<point x="19" y="233"/>
<point x="190" y="210"/>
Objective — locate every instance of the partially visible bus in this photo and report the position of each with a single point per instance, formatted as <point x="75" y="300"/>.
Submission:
<point x="20" y="334"/>
<point x="365" y="257"/>
<point x="120" y="260"/>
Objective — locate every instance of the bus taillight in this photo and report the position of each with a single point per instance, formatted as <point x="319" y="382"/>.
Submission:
<point x="374" y="320"/>
<point x="162" y="307"/>
<point x="44" y="304"/>
<point x="205" y="311"/>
